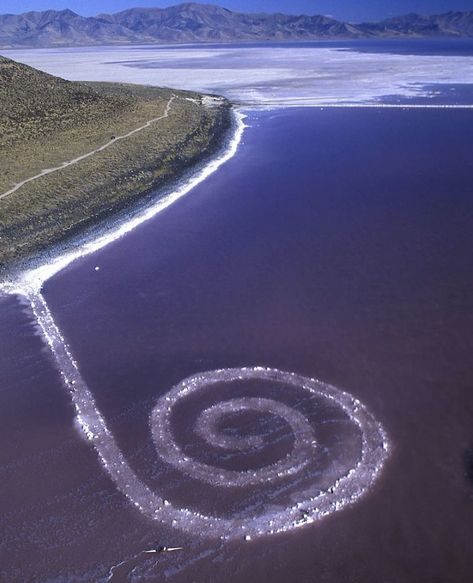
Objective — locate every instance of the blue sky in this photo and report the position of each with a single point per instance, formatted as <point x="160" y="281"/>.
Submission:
<point x="353" y="10"/>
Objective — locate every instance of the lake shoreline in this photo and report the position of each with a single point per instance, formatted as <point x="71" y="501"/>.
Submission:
<point x="31" y="272"/>
<point x="74" y="154"/>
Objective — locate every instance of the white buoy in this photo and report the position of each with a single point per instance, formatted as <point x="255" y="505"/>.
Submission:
<point x="97" y="268"/>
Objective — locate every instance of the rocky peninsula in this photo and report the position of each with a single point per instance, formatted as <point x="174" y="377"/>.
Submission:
<point x="74" y="154"/>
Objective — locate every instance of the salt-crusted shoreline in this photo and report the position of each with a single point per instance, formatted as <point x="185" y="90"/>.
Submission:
<point x="29" y="276"/>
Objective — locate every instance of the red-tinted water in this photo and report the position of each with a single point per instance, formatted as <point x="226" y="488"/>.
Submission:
<point x="336" y="244"/>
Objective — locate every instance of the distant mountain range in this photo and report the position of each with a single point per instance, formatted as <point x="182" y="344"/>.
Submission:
<point x="193" y="22"/>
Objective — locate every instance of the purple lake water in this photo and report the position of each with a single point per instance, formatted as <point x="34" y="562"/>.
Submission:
<point x="336" y="244"/>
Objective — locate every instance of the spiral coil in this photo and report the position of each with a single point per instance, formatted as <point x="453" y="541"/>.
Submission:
<point x="323" y="491"/>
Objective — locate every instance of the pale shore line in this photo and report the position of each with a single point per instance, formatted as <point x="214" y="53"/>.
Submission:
<point x="331" y="105"/>
<point x="31" y="281"/>
<point x="88" y="154"/>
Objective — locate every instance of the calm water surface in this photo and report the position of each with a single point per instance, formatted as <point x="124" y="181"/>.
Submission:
<point x="336" y="244"/>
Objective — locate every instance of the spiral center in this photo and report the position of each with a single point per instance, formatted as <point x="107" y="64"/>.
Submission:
<point x="207" y="428"/>
<point x="331" y="452"/>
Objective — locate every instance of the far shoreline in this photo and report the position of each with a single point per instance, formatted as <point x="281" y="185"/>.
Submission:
<point x="246" y="43"/>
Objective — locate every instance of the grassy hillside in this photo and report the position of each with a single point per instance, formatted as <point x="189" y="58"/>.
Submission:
<point x="34" y="104"/>
<point x="46" y="121"/>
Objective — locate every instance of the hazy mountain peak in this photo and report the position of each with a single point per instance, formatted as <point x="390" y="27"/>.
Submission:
<point x="194" y="22"/>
